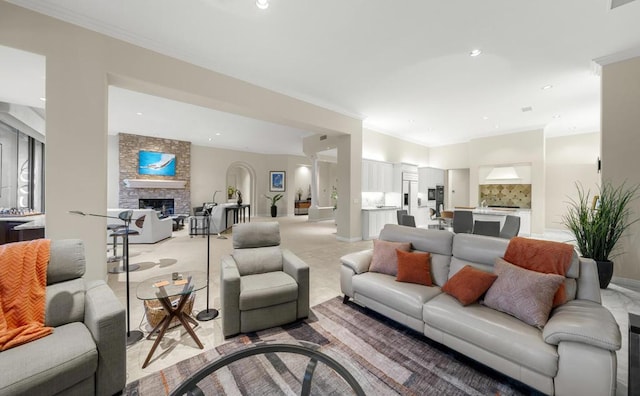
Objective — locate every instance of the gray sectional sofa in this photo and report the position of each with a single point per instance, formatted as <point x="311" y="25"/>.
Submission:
<point x="86" y="353"/>
<point x="574" y="354"/>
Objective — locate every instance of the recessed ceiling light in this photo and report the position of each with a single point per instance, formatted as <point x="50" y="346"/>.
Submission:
<point x="475" y="52"/>
<point x="139" y="113"/>
<point x="262" y="4"/>
<point x="217" y="133"/>
<point x="485" y="118"/>
<point x="43" y="99"/>
<point x="497" y="126"/>
<point x="210" y="139"/>
<point x="547" y="87"/>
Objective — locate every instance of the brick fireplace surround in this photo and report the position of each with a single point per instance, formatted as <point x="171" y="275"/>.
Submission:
<point x="129" y="146"/>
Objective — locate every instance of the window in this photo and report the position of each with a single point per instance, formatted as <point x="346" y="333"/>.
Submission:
<point x="21" y="171"/>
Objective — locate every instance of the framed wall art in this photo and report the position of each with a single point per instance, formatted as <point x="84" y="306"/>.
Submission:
<point x="277" y="180"/>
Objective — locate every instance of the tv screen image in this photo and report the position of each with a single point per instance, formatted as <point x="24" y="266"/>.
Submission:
<point x="154" y="163"/>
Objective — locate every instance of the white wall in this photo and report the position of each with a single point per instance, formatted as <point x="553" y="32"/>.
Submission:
<point x="381" y="147"/>
<point x="569" y="160"/>
<point x="620" y="143"/>
<point x="453" y="156"/>
<point x="113" y="169"/>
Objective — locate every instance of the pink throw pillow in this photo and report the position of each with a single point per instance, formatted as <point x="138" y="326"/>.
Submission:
<point x="385" y="258"/>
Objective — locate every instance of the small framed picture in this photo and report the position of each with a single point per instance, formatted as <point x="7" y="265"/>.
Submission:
<point x="277" y="180"/>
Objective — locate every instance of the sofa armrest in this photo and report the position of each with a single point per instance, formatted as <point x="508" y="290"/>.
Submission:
<point x="359" y="262"/>
<point x="104" y="316"/>
<point x="230" y="296"/>
<point x="298" y="270"/>
<point x="583" y="321"/>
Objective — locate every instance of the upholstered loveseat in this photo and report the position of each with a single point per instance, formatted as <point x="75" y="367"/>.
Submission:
<point x="86" y="353"/>
<point x="573" y="354"/>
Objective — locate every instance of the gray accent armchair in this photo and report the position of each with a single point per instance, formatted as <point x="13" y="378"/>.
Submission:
<point x="86" y="353"/>
<point x="261" y="284"/>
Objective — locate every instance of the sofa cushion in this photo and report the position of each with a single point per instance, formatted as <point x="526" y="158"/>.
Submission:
<point x="414" y="267"/>
<point x="67" y="260"/>
<point x="258" y="260"/>
<point x="468" y="284"/>
<point x="493" y="331"/>
<point x="407" y="298"/>
<point x="265" y="290"/>
<point x="385" y="258"/>
<point x="527" y="295"/>
<point x="65" y="302"/>
<point x="51" y="364"/>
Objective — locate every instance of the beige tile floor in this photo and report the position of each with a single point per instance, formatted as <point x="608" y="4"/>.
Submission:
<point x="315" y="243"/>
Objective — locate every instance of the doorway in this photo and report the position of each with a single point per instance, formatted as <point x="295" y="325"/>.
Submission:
<point x="458" y="188"/>
<point x="242" y="177"/>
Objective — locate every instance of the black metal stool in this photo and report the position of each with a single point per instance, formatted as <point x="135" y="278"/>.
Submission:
<point x="124" y="233"/>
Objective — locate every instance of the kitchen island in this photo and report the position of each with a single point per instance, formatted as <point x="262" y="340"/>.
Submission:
<point x="374" y="218"/>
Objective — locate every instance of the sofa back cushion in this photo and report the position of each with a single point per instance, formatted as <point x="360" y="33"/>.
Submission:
<point x="66" y="261"/>
<point x="438" y="243"/>
<point x="258" y="260"/>
<point x="253" y="235"/>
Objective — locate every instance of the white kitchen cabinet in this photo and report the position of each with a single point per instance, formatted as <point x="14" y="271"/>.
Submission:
<point x="374" y="220"/>
<point x="377" y="176"/>
<point x="430" y="178"/>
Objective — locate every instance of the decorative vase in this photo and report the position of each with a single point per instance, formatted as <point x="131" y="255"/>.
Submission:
<point x="274" y="211"/>
<point x="239" y="201"/>
<point x="605" y="273"/>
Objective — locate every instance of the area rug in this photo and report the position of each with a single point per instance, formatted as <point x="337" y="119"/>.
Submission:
<point x="385" y="357"/>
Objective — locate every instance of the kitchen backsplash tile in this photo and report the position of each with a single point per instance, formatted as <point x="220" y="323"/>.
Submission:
<point x="506" y="195"/>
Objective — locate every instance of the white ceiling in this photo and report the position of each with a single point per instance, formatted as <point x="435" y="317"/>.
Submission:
<point x="401" y="66"/>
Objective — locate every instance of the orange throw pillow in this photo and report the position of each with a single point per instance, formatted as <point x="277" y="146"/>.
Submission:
<point x="468" y="284"/>
<point x="547" y="257"/>
<point x="414" y="267"/>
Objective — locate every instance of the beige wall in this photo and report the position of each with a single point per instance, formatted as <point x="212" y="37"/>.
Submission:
<point x="620" y="143"/>
<point x="80" y="65"/>
<point x="569" y="160"/>
<point x="381" y="147"/>
<point x="453" y="156"/>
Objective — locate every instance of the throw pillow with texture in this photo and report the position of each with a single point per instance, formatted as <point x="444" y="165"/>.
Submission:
<point x="523" y="293"/>
<point x="469" y="284"/>
<point x="385" y="258"/>
<point x="414" y="267"/>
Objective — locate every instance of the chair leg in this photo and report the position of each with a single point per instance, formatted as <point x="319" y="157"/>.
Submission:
<point x="345" y="299"/>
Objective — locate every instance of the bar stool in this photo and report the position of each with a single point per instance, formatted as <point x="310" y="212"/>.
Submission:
<point x="114" y="258"/>
<point x="124" y="233"/>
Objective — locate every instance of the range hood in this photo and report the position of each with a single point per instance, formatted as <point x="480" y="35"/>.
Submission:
<point x="503" y="173"/>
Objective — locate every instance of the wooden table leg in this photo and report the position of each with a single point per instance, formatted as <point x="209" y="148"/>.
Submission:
<point x="166" y="321"/>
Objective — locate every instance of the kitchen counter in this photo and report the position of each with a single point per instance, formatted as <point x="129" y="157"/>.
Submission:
<point x="382" y="208"/>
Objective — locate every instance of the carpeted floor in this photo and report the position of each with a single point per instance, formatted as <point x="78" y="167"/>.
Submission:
<point x="385" y="358"/>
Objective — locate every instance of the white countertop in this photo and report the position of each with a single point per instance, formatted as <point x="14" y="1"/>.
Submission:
<point x="382" y="208"/>
<point x="31" y="222"/>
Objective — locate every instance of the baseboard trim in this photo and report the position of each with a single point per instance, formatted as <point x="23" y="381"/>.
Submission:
<point x="626" y="282"/>
<point x="343" y="239"/>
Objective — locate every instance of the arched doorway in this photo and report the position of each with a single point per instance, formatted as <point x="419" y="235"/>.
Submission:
<point x="242" y="176"/>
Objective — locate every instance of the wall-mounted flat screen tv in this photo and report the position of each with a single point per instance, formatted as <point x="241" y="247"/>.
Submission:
<point x="154" y="163"/>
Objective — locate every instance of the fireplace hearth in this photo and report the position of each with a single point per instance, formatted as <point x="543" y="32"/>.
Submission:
<point x="163" y="205"/>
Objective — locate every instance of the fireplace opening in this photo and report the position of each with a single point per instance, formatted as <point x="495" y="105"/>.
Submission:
<point x="164" y="205"/>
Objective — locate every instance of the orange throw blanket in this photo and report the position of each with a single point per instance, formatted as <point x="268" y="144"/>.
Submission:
<point x="23" y="281"/>
<point x="547" y="257"/>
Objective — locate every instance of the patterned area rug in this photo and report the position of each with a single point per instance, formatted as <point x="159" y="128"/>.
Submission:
<point x="386" y="359"/>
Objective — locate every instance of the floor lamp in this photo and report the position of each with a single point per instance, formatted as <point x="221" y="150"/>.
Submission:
<point x="209" y="313"/>
<point x="133" y="336"/>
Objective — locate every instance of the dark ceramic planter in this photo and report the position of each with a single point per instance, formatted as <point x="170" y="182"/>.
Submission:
<point x="605" y="273"/>
<point x="274" y="211"/>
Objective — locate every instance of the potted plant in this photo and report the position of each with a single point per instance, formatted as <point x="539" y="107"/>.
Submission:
<point x="274" y="199"/>
<point x="230" y="191"/>
<point x="598" y="222"/>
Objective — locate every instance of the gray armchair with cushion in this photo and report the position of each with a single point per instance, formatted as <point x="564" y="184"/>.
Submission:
<point x="261" y="285"/>
<point x="86" y="353"/>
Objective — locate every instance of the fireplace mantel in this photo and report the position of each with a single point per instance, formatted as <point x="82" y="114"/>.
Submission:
<point x="151" y="183"/>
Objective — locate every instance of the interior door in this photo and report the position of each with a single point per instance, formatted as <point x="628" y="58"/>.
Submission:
<point x="458" y="189"/>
